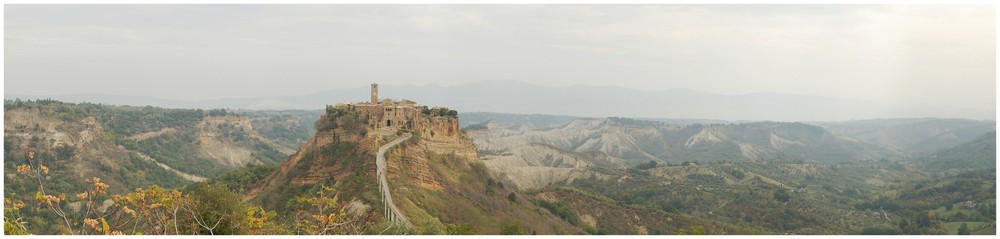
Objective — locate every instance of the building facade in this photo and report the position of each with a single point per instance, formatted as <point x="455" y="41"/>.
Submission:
<point x="387" y="113"/>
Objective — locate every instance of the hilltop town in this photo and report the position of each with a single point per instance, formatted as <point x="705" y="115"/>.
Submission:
<point x="390" y="115"/>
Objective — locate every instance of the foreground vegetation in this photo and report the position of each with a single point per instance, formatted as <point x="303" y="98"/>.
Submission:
<point x="208" y="208"/>
<point x="121" y="145"/>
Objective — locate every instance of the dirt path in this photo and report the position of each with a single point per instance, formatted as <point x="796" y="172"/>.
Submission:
<point x="393" y="213"/>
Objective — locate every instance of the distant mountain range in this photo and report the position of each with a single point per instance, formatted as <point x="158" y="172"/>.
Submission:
<point x="579" y="100"/>
<point x="640" y="141"/>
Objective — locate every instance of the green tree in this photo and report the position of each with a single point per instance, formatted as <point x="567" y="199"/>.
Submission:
<point x="903" y="223"/>
<point x="559" y="209"/>
<point x="595" y="230"/>
<point x="12" y="220"/>
<point x="512" y="197"/>
<point x="164" y="218"/>
<point x="781" y="195"/>
<point x="647" y="165"/>
<point x="876" y="230"/>
<point x="737" y="173"/>
<point x="923" y="220"/>
<point x="964" y="229"/>
<point x="321" y="213"/>
<point x="64" y="152"/>
<point x="668" y="206"/>
<point x="460" y="229"/>
<point x="692" y="230"/>
<point x="216" y="210"/>
<point x="511" y="229"/>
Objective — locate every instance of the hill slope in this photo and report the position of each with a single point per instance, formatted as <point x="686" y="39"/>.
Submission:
<point x="640" y="141"/>
<point x="526" y="155"/>
<point x="915" y="137"/>
<point x="750" y="178"/>
<point x="132" y="147"/>
<point x="435" y="178"/>
<point x="979" y="153"/>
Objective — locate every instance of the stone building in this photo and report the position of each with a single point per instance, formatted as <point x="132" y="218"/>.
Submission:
<point x="404" y="114"/>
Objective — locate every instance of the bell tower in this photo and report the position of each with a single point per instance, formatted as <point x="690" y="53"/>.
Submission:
<point x="374" y="93"/>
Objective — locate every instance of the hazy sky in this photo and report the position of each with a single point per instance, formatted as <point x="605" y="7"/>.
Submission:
<point x="892" y="54"/>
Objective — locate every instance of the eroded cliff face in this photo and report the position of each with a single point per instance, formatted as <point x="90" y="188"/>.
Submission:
<point x="215" y="145"/>
<point x="329" y="156"/>
<point x="28" y="130"/>
<point x="441" y="135"/>
<point x="105" y="141"/>
<point x="436" y="136"/>
<point x="528" y="164"/>
<point x="342" y="158"/>
<point x="314" y="162"/>
<point x="52" y="132"/>
<point x="438" y="179"/>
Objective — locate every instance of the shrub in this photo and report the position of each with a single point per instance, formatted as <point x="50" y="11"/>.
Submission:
<point x="781" y="195"/>
<point x="460" y="229"/>
<point x="511" y="229"/>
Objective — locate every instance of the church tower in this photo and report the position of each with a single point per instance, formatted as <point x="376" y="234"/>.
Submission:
<point x="374" y="93"/>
